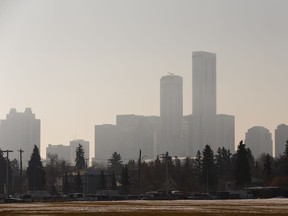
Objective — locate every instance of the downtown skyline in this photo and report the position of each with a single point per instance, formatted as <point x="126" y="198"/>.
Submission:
<point x="82" y="70"/>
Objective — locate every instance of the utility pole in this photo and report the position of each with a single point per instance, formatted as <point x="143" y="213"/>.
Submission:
<point x="21" y="175"/>
<point x="139" y="171"/>
<point x="7" y="171"/>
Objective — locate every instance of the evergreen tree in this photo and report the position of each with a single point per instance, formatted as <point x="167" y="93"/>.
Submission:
<point x="224" y="167"/>
<point x="242" y="168"/>
<point x="223" y="162"/>
<point x="115" y="162"/>
<point x="284" y="161"/>
<point x="208" y="167"/>
<point x="3" y="173"/>
<point x="132" y="165"/>
<point x="198" y="163"/>
<point x="80" y="157"/>
<point x="281" y="164"/>
<point x="35" y="171"/>
<point x="285" y="153"/>
<point x="102" y="181"/>
<point x="267" y="167"/>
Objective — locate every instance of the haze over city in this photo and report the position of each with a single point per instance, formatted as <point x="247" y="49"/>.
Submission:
<point x="78" y="64"/>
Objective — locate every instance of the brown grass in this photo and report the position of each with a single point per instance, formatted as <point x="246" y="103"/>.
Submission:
<point x="144" y="208"/>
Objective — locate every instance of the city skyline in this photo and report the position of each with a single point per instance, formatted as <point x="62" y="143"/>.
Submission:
<point x="73" y="63"/>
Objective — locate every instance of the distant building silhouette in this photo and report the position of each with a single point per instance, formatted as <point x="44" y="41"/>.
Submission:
<point x="105" y="142"/>
<point x="20" y="130"/>
<point x="225" y="131"/>
<point x="62" y="151"/>
<point x="281" y="136"/>
<point x="259" y="140"/>
<point x="171" y="114"/>
<point x="130" y="134"/>
<point x="68" y="152"/>
<point x="186" y="131"/>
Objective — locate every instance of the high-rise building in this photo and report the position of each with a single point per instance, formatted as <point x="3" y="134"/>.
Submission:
<point x="225" y="132"/>
<point x="20" y="131"/>
<point x="171" y="114"/>
<point x="259" y="140"/>
<point x="73" y="146"/>
<point x="63" y="152"/>
<point x="281" y="136"/>
<point x="130" y="134"/>
<point x="204" y="101"/>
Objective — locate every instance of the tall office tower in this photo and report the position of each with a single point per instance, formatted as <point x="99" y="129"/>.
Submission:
<point x="204" y="101"/>
<point x="281" y="136"/>
<point x="171" y="113"/>
<point x="259" y="140"/>
<point x="20" y="131"/>
<point x="73" y="146"/>
<point x="225" y="132"/>
<point x="63" y="152"/>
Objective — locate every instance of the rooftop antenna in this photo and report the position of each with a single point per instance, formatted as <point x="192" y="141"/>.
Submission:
<point x="171" y="73"/>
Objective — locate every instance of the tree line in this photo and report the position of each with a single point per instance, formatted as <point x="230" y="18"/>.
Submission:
<point x="207" y="171"/>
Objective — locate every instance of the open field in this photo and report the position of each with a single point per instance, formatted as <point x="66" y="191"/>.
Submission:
<point x="143" y="208"/>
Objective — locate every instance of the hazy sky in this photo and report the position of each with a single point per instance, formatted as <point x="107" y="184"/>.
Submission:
<point x="80" y="63"/>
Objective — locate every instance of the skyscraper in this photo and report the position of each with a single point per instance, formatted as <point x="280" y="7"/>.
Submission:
<point x="204" y="101"/>
<point x="281" y="136"/>
<point x="259" y="140"/>
<point x="171" y="113"/>
<point x="20" y="130"/>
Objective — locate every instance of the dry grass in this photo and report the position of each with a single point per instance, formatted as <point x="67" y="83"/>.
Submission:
<point x="149" y="208"/>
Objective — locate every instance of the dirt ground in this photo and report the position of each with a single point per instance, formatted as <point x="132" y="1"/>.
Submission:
<point x="143" y="208"/>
